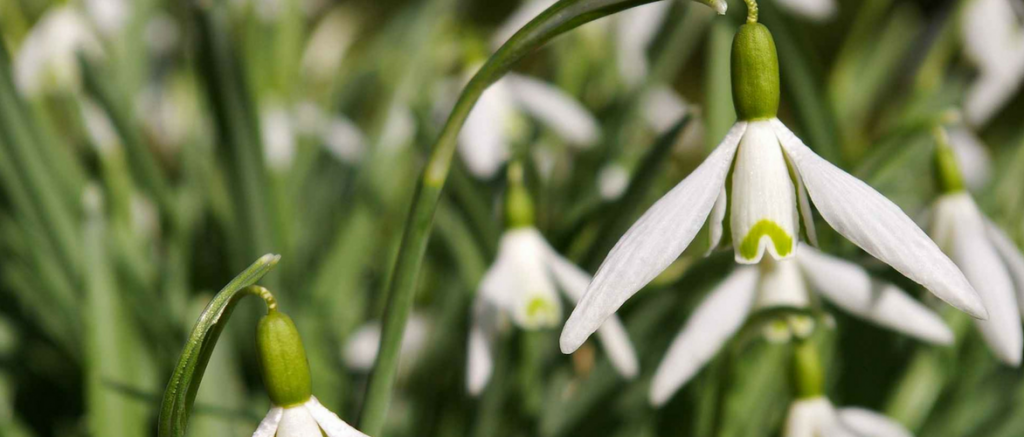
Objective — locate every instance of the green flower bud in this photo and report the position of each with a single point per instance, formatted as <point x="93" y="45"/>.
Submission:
<point x="807" y="371"/>
<point x="755" y="73"/>
<point x="283" y="360"/>
<point x="950" y="179"/>
<point x="519" y="210"/>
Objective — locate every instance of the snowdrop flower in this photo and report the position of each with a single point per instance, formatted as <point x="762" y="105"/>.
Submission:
<point x="521" y="285"/>
<point x="993" y="38"/>
<point x="817" y="10"/>
<point x="295" y="411"/>
<point x="329" y="44"/>
<point x="768" y="205"/>
<point x="361" y="350"/>
<point x="988" y="258"/>
<point x="47" y="59"/>
<point x="493" y="122"/>
<point x="340" y="136"/>
<point x="774" y="284"/>
<point x="635" y="30"/>
<point x="109" y="15"/>
<point x="816" y="417"/>
<point x="278" y="137"/>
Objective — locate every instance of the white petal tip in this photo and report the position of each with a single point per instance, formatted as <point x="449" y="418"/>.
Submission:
<point x="568" y="344"/>
<point x="657" y="397"/>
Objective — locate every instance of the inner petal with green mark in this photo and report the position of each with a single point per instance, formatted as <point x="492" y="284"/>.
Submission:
<point x="750" y="246"/>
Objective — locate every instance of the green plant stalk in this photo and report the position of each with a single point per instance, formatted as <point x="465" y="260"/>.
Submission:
<point x="181" y="390"/>
<point x="559" y="18"/>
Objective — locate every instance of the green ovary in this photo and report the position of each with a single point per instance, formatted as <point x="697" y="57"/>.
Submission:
<point x="783" y="242"/>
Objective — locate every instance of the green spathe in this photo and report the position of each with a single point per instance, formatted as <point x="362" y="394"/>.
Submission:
<point x="283" y="360"/>
<point x="783" y="242"/>
<point x="755" y="73"/>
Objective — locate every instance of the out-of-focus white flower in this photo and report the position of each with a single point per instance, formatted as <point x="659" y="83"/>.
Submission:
<point x="278" y="137"/>
<point x="342" y="138"/>
<point x="991" y="263"/>
<point x="521" y="285"/>
<point x="972" y="155"/>
<point x="310" y="419"/>
<point x="399" y="128"/>
<point x="110" y="16"/>
<point x="767" y="209"/>
<point x="484" y="140"/>
<point x="635" y="29"/>
<point x="329" y="44"/>
<point x="362" y="346"/>
<point x="816" y="417"/>
<point x="612" y="181"/>
<point x="817" y="10"/>
<point x="993" y="38"/>
<point x="662" y="108"/>
<point x="162" y="34"/>
<point x="99" y="128"/>
<point x="48" y="58"/>
<point x="168" y="113"/>
<point x="786" y="283"/>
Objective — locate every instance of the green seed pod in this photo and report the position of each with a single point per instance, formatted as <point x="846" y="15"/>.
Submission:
<point x="950" y="179"/>
<point x="283" y="360"/>
<point x="807" y="371"/>
<point x="755" y="73"/>
<point x="519" y="210"/>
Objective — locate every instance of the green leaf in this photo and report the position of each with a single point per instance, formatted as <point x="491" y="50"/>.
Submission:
<point x="181" y="390"/>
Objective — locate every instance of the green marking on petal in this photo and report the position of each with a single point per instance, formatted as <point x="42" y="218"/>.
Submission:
<point x="538" y="306"/>
<point x="783" y="241"/>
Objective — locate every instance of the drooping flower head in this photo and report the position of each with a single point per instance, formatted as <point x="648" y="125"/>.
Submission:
<point x="775" y="179"/>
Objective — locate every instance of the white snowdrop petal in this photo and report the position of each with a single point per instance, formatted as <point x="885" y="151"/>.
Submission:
<point x="849" y="287"/>
<point x="764" y="209"/>
<point x="534" y="302"/>
<point x="332" y="425"/>
<point x="878" y="226"/>
<point x="652" y="243"/>
<point x="297" y="422"/>
<point x="1011" y="256"/>
<point x="529" y="10"/>
<point x="612" y="334"/>
<point x="869" y="423"/>
<point x="344" y="140"/>
<point x="818" y="10"/>
<point x="482" y="142"/>
<point x="780" y="285"/>
<point x="813" y="417"/>
<point x="480" y="363"/>
<point x="971" y="156"/>
<point x="988" y="93"/>
<point x="715" y="228"/>
<point x="974" y="253"/>
<point x="554" y="108"/>
<point x="710" y="326"/>
<point x="613" y="180"/>
<point x="361" y="348"/>
<point x="662" y="106"/>
<point x="635" y="29"/>
<point x="268" y="426"/>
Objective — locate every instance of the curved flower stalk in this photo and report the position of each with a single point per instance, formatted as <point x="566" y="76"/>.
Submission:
<point x="47" y="59"/>
<point x="987" y="256"/>
<point x="775" y="178"/>
<point x="994" y="39"/>
<point x="494" y="122"/>
<point x="817" y="10"/>
<point x="521" y="286"/>
<point x="788" y="284"/>
<point x="817" y="417"/>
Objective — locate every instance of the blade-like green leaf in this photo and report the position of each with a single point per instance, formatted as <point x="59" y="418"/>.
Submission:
<point x="188" y="373"/>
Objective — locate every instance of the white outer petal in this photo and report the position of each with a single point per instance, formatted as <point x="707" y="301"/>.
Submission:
<point x="268" y="426"/>
<point x="297" y="422"/>
<point x="809" y="418"/>
<point x="715" y="228"/>
<point x="635" y="29"/>
<point x="529" y="10"/>
<point x="612" y="334"/>
<point x="1012" y="256"/>
<point x="662" y="106"/>
<point x="974" y="253"/>
<point x="762" y="191"/>
<point x="780" y="285"/>
<point x="710" y="326"/>
<point x="612" y="181"/>
<point x="988" y="94"/>
<point x="869" y="423"/>
<point x="332" y="425"/>
<point x="482" y="143"/>
<point x="878" y="226"/>
<point x="652" y="243"/>
<point x="554" y="108"/>
<point x="818" y="10"/>
<point x="344" y="140"/>
<point x="480" y="363"/>
<point x="523" y="250"/>
<point x="971" y="156"/>
<point x="849" y="287"/>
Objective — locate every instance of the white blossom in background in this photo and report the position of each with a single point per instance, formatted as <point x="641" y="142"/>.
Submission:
<point x="817" y="10"/>
<point x="972" y="156"/>
<point x="612" y="181"/>
<point x="99" y="128"/>
<point x="767" y="208"/>
<point x="788" y="284"/>
<point x="329" y="44"/>
<point x="522" y="286"/>
<point x="494" y="122"/>
<point x="360" y="351"/>
<point x="635" y="29"/>
<point x="47" y="60"/>
<point x="399" y="128"/>
<point x="278" y="136"/>
<point x="817" y="417"/>
<point x="310" y="419"/>
<point x="168" y="113"/>
<point x="340" y="136"/>
<point x="662" y="108"/>
<point x="993" y="265"/>
<point x="994" y="39"/>
<point x="110" y="16"/>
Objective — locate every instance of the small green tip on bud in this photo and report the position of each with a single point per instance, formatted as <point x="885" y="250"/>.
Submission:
<point x="807" y="371"/>
<point x="950" y="179"/>
<point x="755" y="73"/>
<point x="283" y="360"/>
<point x="519" y="210"/>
